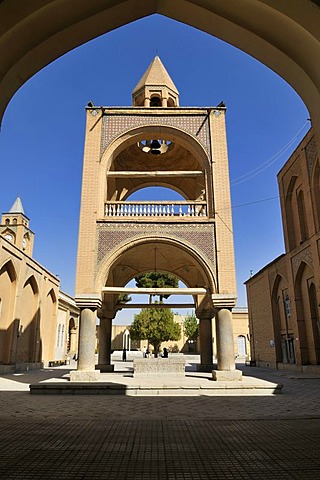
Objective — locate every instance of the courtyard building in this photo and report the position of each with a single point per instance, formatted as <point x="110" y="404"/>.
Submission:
<point x="38" y="322"/>
<point x="241" y="343"/>
<point x="284" y="297"/>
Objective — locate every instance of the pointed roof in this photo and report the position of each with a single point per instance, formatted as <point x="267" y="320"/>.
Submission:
<point x="17" y="207"/>
<point x="156" y="74"/>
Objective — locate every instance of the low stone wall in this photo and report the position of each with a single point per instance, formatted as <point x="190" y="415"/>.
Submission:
<point x="156" y="367"/>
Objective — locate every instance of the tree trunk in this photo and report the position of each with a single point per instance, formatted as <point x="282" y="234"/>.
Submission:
<point x="156" y="350"/>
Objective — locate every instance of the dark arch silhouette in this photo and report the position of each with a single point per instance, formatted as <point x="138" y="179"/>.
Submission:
<point x="35" y="33"/>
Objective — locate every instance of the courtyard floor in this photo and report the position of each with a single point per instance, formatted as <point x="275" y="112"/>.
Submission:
<point x="125" y="437"/>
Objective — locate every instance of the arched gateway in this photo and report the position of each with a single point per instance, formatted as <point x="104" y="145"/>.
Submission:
<point x="155" y="143"/>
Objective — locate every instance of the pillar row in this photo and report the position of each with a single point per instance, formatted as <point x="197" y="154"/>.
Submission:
<point x="87" y="339"/>
<point x="225" y="341"/>
<point x="205" y="331"/>
<point x="86" y="357"/>
<point x="104" y="356"/>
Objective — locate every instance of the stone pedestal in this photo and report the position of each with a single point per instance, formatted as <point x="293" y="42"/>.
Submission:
<point x="159" y="367"/>
<point x="84" y="376"/>
<point x="227" y="376"/>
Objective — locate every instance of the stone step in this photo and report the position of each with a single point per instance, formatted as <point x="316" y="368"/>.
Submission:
<point x="103" y="388"/>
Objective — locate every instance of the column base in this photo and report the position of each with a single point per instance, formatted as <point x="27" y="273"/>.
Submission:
<point x="227" y="375"/>
<point x="84" y="376"/>
<point x="104" y="368"/>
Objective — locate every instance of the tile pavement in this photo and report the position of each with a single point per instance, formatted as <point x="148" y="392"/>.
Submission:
<point x="120" y="437"/>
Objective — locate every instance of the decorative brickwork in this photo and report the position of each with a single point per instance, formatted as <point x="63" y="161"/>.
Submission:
<point x="272" y="277"/>
<point x="303" y="256"/>
<point x="281" y="270"/>
<point x="311" y="154"/>
<point x="195" y="125"/>
<point x="293" y="171"/>
<point x="199" y="237"/>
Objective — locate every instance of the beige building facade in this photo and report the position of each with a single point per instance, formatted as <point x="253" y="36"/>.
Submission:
<point x="284" y="297"/>
<point x="155" y="143"/>
<point x="241" y="343"/>
<point x="38" y="322"/>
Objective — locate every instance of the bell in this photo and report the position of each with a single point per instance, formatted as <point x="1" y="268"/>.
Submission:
<point x="155" y="145"/>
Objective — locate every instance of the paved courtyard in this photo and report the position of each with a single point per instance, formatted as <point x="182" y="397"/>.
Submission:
<point x="122" y="437"/>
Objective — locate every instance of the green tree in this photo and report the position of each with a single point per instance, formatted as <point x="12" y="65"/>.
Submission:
<point x="156" y="280"/>
<point x="122" y="299"/>
<point x="191" y="327"/>
<point x="155" y="326"/>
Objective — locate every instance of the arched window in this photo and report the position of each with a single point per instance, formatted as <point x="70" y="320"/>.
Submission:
<point x="62" y="336"/>
<point x="302" y="216"/>
<point x="155" y="101"/>
<point x="290" y="223"/>
<point x="316" y="193"/>
<point x="313" y="304"/>
<point x="242" y="347"/>
<point x="58" y="336"/>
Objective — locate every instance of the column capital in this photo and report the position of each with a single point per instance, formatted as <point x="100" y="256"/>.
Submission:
<point x="91" y="301"/>
<point x="224" y="300"/>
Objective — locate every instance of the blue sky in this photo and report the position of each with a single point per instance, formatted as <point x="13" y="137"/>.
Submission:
<point x="42" y="136"/>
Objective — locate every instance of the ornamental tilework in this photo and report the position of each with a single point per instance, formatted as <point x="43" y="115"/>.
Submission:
<point x="303" y="256"/>
<point x="195" y="125"/>
<point x="113" y="235"/>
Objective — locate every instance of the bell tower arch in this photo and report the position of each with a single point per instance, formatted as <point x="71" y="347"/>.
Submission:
<point x="156" y="143"/>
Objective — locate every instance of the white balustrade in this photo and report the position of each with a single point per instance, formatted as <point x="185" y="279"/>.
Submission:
<point x="155" y="209"/>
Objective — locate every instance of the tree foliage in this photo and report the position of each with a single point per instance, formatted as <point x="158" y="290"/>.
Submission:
<point x="122" y="299"/>
<point x="157" y="280"/>
<point x="155" y="326"/>
<point x="191" y="327"/>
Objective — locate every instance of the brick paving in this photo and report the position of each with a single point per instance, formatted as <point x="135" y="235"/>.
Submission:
<point x="120" y="437"/>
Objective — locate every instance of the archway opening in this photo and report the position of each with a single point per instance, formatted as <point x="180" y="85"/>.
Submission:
<point x="255" y="88"/>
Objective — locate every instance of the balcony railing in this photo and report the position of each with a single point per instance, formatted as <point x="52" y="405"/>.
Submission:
<point x="155" y="209"/>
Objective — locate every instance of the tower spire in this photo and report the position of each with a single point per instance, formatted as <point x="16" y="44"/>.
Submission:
<point x="17" y="206"/>
<point x="155" y="88"/>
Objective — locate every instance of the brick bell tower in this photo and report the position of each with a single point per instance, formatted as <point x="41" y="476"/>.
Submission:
<point x="155" y="143"/>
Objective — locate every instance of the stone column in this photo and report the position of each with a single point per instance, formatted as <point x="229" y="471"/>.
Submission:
<point x="147" y="102"/>
<point x="104" y="357"/>
<point x="225" y="343"/>
<point x="73" y="341"/>
<point x="86" y="371"/>
<point x="206" y="351"/>
<point x="205" y="314"/>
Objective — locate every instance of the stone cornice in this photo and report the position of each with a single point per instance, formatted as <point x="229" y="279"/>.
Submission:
<point x="223" y="300"/>
<point x="92" y="301"/>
